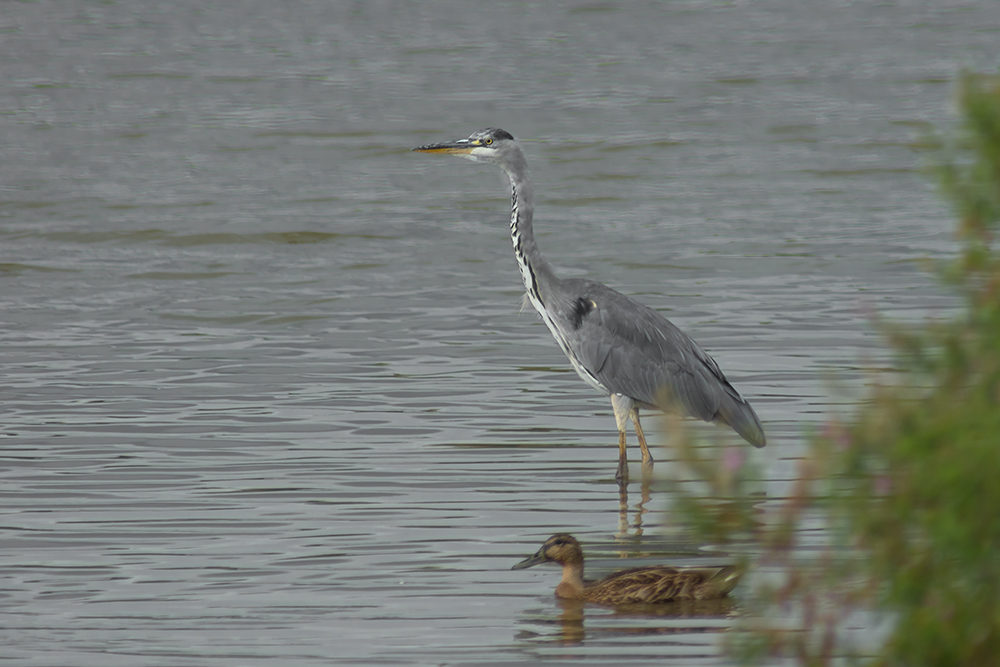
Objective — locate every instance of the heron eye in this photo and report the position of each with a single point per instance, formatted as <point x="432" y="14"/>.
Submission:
<point x="488" y="142"/>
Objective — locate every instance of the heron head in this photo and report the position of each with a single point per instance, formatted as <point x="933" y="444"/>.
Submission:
<point x="561" y="548"/>
<point x="490" y="145"/>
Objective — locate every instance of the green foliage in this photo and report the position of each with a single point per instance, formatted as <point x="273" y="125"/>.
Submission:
<point x="909" y="490"/>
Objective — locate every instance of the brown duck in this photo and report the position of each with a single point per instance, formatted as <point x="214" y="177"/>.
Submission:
<point x="638" y="585"/>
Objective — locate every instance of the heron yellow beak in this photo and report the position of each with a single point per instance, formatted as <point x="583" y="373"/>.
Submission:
<point x="460" y="147"/>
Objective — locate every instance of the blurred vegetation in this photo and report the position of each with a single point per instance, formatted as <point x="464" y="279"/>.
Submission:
<point x="906" y="492"/>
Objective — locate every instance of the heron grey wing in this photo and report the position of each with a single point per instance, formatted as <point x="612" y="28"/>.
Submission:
<point x="688" y="376"/>
<point x="633" y="350"/>
<point x="666" y="368"/>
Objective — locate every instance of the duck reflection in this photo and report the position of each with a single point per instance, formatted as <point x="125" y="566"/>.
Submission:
<point x="573" y="626"/>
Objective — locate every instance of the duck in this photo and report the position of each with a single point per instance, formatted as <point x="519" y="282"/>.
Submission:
<point x="637" y="585"/>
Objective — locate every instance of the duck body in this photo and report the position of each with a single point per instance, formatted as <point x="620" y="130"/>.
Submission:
<point x="638" y="585"/>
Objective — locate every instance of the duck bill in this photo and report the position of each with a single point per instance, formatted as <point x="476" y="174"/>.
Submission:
<point x="460" y="147"/>
<point x="531" y="561"/>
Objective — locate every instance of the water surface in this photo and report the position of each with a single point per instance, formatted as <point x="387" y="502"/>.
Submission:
<point x="268" y="397"/>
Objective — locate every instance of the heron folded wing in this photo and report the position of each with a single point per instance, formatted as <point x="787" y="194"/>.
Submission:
<point x="692" y="388"/>
<point x="632" y="350"/>
<point x="594" y="352"/>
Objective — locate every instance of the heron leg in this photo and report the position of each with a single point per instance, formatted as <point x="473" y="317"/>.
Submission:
<point x="622" y="474"/>
<point x="647" y="458"/>
<point x="622" y="406"/>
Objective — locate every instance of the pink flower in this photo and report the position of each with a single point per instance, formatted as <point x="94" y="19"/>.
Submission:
<point x="732" y="459"/>
<point x="883" y="485"/>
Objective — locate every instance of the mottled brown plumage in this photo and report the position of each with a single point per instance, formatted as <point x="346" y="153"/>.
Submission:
<point x="638" y="585"/>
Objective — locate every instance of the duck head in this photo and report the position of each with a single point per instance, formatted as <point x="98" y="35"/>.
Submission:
<point x="561" y="548"/>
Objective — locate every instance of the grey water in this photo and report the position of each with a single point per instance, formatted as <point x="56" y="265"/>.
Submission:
<point x="268" y="396"/>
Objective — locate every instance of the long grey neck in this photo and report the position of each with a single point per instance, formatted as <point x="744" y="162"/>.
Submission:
<point x="536" y="272"/>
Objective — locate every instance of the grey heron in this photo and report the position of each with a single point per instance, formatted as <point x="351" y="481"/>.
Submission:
<point x="620" y="347"/>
